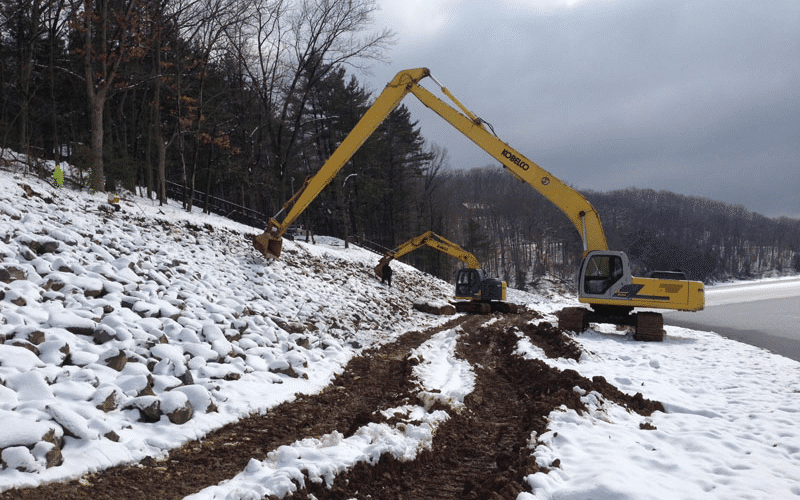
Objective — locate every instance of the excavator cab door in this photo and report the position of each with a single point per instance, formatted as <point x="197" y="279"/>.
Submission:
<point x="603" y="273"/>
<point x="468" y="283"/>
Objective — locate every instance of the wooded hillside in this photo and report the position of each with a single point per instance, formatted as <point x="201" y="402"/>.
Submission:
<point x="231" y="105"/>
<point x="520" y="236"/>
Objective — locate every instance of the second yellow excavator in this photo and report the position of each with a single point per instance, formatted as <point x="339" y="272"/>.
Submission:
<point x="475" y="292"/>
<point x="605" y="281"/>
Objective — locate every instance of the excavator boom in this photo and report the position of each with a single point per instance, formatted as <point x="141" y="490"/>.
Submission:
<point x="607" y="284"/>
<point x="433" y="240"/>
<point x="572" y="203"/>
<point x="270" y="242"/>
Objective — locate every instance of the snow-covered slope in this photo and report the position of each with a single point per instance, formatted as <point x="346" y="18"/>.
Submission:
<point x="125" y="333"/>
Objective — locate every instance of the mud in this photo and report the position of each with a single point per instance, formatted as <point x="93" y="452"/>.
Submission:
<point x="480" y="452"/>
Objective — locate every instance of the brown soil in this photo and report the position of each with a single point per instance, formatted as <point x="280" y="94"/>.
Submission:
<point x="478" y="453"/>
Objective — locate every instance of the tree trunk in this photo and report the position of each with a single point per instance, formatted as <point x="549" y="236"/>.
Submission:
<point x="162" y="167"/>
<point x="161" y="147"/>
<point x="97" y="179"/>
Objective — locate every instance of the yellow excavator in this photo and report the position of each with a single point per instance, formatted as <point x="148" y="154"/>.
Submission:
<point x="475" y="292"/>
<point x="605" y="281"/>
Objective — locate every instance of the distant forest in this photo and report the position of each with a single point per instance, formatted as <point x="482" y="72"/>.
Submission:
<point x="230" y="105"/>
<point x="521" y="236"/>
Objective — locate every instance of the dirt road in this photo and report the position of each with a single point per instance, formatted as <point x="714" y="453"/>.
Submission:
<point x="480" y="452"/>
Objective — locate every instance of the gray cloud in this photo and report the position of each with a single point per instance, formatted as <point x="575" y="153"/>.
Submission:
<point x="700" y="98"/>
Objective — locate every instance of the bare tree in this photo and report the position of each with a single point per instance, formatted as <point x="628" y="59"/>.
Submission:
<point x="211" y="21"/>
<point x="432" y="184"/>
<point x="294" y="47"/>
<point x="26" y="26"/>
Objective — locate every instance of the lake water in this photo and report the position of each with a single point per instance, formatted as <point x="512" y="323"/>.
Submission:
<point x="762" y="313"/>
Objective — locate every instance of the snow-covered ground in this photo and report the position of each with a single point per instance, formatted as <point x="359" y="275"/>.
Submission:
<point x="110" y="316"/>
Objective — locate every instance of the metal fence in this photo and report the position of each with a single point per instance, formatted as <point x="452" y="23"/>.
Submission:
<point x="219" y="206"/>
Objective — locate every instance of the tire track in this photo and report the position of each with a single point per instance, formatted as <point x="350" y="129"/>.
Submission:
<point x="480" y="452"/>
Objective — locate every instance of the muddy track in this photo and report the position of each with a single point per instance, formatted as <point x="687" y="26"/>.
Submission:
<point x="380" y="378"/>
<point x="480" y="452"/>
<point x="483" y="452"/>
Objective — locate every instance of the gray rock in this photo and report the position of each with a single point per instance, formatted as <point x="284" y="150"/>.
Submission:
<point x="182" y="414"/>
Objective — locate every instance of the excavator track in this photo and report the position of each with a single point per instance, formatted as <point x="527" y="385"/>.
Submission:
<point x="473" y="307"/>
<point x="647" y="326"/>
<point x="477" y="307"/>
<point x="573" y="319"/>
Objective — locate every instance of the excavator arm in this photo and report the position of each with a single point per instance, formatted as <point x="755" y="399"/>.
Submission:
<point x="572" y="203"/>
<point x="608" y="293"/>
<point x="433" y="240"/>
<point x="270" y="242"/>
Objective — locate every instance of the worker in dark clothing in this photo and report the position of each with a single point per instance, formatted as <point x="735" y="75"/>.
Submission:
<point x="386" y="275"/>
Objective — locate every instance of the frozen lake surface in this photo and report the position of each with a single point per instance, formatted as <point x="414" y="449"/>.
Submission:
<point x="762" y="313"/>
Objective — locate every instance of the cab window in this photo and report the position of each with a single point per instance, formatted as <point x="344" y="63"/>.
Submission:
<point x="464" y="278"/>
<point x="602" y="271"/>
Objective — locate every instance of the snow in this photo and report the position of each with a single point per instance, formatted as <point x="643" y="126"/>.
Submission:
<point x="155" y="309"/>
<point x="729" y="430"/>
<point x="441" y="376"/>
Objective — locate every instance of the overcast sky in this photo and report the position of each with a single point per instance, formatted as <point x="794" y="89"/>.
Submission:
<point x="698" y="97"/>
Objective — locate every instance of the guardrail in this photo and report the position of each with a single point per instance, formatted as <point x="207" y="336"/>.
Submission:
<point x="219" y="206"/>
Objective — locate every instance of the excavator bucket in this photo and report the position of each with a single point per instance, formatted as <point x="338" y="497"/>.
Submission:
<point x="383" y="263"/>
<point x="270" y="242"/>
<point x="267" y="245"/>
<point x="379" y="269"/>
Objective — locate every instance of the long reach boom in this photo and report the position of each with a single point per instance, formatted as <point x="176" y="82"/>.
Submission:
<point x="572" y="203"/>
<point x="605" y="281"/>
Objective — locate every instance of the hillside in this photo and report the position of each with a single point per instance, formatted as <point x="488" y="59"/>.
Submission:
<point x="151" y="353"/>
<point x="708" y="240"/>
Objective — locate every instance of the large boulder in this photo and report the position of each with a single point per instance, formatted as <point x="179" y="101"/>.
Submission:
<point x="435" y="307"/>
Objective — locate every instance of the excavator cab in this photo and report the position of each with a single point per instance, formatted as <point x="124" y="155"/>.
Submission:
<point x="472" y="284"/>
<point x="468" y="283"/>
<point x="606" y="280"/>
<point x="603" y="272"/>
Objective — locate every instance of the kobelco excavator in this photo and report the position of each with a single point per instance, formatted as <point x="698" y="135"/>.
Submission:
<point x="605" y="281"/>
<point x="475" y="292"/>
